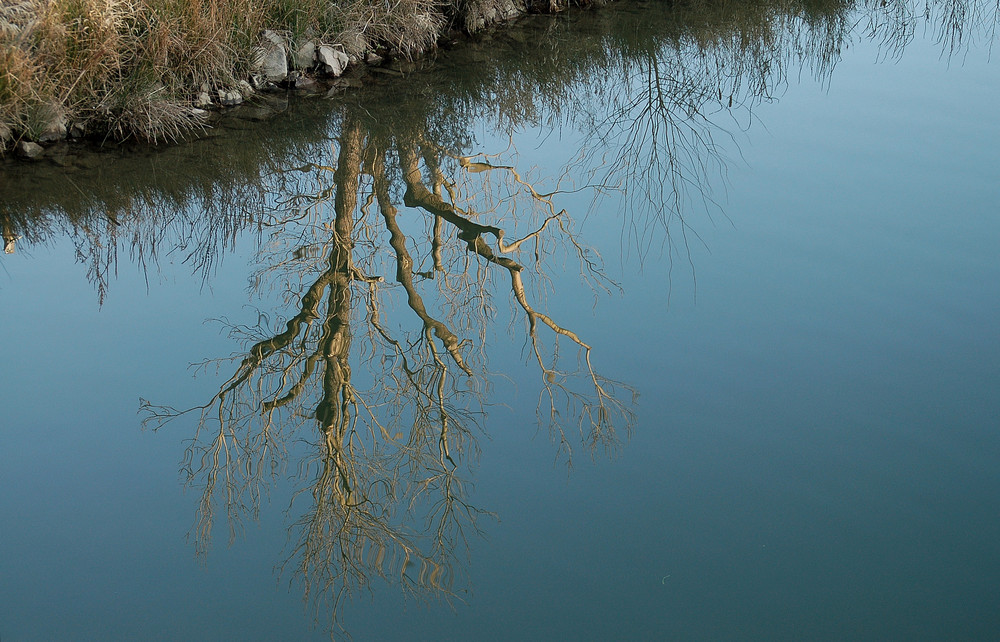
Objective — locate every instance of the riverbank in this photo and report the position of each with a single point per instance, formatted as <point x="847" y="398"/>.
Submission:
<point x="153" y="70"/>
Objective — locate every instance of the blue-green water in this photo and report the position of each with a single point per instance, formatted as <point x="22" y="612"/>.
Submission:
<point x="811" y="328"/>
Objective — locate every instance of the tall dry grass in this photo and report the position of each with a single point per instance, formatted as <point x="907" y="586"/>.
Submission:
<point x="133" y="67"/>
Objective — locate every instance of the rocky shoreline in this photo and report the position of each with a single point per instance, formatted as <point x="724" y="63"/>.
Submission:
<point x="313" y="65"/>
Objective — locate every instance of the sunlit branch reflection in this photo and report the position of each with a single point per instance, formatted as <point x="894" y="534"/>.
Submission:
<point x="387" y="495"/>
<point x="390" y="254"/>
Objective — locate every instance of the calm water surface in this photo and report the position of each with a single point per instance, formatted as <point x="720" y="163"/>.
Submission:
<point x="680" y="326"/>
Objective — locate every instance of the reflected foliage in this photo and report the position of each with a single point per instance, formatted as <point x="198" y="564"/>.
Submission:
<point x="393" y="253"/>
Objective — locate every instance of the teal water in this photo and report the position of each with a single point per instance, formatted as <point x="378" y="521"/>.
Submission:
<point x="799" y="283"/>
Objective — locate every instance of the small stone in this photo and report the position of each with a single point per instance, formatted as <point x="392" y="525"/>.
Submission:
<point x="354" y="42"/>
<point x="245" y="88"/>
<point x="204" y="99"/>
<point x="77" y="130"/>
<point x="373" y="59"/>
<point x="230" y="97"/>
<point x="333" y="61"/>
<point x="304" y="82"/>
<point x="274" y="38"/>
<point x="26" y="149"/>
<point x="55" y="130"/>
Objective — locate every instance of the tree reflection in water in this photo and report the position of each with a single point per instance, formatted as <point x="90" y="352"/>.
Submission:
<point x="390" y="454"/>
<point x="395" y="253"/>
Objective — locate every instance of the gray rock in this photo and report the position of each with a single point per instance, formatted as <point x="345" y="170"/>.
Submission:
<point x="271" y="58"/>
<point x="333" y="61"/>
<point x="245" y="88"/>
<point x="204" y="99"/>
<point x="483" y="13"/>
<point x="55" y="130"/>
<point x="29" y="150"/>
<point x="230" y="97"/>
<point x="353" y="42"/>
<point x="306" y="55"/>
<point x="373" y="59"/>
<point x="304" y="82"/>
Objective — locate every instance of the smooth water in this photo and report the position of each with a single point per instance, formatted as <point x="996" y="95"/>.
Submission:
<point x="739" y="381"/>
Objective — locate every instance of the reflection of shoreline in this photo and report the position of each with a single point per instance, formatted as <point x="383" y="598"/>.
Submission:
<point x="750" y="48"/>
<point x="150" y="201"/>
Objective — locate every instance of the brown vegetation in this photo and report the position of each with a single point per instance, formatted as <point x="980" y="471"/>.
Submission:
<point x="139" y="68"/>
<point x="128" y="68"/>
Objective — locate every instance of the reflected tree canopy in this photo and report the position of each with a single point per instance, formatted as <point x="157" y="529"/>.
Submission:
<point x="393" y="259"/>
<point x="395" y="247"/>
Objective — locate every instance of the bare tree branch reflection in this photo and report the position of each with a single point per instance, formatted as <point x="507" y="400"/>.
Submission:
<point x="387" y="478"/>
<point x="389" y="256"/>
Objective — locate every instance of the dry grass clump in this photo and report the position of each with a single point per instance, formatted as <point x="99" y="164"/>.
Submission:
<point x="19" y="74"/>
<point x="125" y="67"/>
<point x="403" y="26"/>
